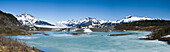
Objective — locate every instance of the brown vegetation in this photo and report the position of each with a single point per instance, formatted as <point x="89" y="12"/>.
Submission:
<point x="10" y="45"/>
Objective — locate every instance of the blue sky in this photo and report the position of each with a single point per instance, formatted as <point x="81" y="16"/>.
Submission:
<point x="59" y="10"/>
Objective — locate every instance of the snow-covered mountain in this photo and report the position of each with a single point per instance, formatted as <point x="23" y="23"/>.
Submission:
<point x="27" y="19"/>
<point x="93" y="21"/>
<point x="86" y="21"/>
<point x="130" y="18"/>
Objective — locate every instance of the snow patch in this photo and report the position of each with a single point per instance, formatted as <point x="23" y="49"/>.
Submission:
<point x="166" y="36"/>
<point x="87" y="30"/>
<point x="143" y="37"/>
<point x="62" y="35"/>
<point x="155" y="41"/>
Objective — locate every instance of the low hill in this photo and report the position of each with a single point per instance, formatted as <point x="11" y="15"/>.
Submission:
<point x="159" y="28"/>
<point x="9" y="25"/>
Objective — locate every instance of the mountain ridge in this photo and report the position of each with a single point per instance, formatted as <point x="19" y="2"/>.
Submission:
<point x="94" y="21"/>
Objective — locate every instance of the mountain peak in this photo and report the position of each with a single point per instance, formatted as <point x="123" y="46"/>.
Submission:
<point x="26" y="19"/>
<point x="133" y="18"/>
<point x="89" y="18"/>
<point x="129" y="16"/>
<point x="24" y="14"/>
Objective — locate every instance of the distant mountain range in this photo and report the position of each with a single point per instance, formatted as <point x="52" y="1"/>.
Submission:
<point x="94" y="21"/>
<point x="86" y="21"/>
<point x="27" y="19"/>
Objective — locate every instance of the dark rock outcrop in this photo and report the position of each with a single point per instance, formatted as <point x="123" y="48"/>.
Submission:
<point x="9" y="24"/>
<point x="105" y="29"/>
<point x="8" y="21"/>
<point x="117" y="34"/>
<point x="121" y="34"/>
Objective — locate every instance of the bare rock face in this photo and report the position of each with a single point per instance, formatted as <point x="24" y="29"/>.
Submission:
<point x="9" y="24"/>
<point x="8" y="21"/>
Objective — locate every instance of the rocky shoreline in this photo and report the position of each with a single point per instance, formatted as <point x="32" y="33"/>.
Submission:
<point x="10" y="45"/>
